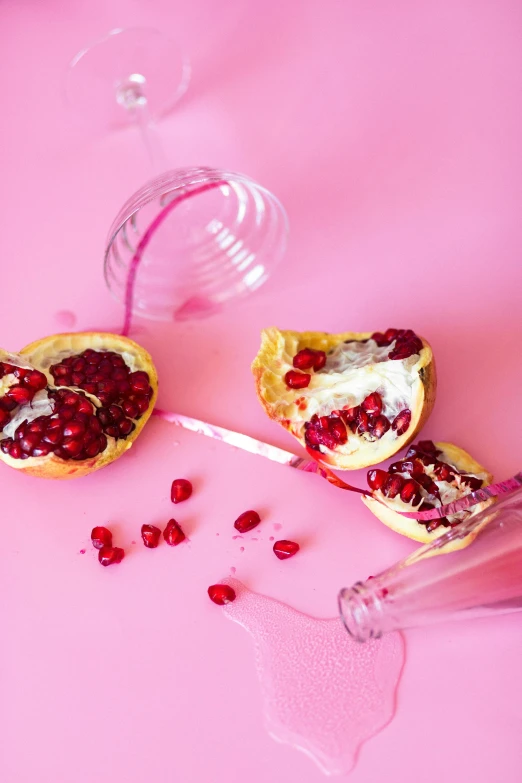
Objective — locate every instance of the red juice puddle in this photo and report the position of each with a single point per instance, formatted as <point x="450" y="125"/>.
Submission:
<point x="323" y="693"/>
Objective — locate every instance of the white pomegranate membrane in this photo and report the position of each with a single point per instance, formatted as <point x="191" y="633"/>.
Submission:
<point x="424" y="480"/>
<point x="362" y="391"/>
<point x="94" y="396"/>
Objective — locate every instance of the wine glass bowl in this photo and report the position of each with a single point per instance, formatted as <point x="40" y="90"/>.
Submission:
<point x="191" y="240"/>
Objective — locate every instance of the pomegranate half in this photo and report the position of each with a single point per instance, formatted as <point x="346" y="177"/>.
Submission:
<point x="354" y="398"/>
<point x="72" y="403"/>
<point x="429" y="476"/>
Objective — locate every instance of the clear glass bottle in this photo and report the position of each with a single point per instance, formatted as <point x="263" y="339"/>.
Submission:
<point x="481" y="579"/>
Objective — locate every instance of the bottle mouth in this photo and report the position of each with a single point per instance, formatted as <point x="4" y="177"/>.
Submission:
<point x="360" y="611"/>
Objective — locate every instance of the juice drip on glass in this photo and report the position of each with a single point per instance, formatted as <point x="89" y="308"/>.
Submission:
<point x="323" y="693"/>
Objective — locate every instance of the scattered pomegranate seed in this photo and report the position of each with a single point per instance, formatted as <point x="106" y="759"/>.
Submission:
<point x="284" y="549"/>
<point x="109" y="555"/>
<point x="101" y="537"/>
<point x="376" y="478"/>
<point x="297" y="380"/>
<point x="181" y="490"/>
<point x="221" y="594"/>
<point x="173" y="534"/>
<point x="246" y="521"/>
<point x="150" y="535"/>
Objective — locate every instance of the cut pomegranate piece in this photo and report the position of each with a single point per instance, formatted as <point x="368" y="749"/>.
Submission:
<point x="109" y="555"/>
<point x="380" y="420"/>
<point x="100" y="537"/>
<point x="434" y="474"/>
<point x="63" y="424"/>
<point x="284" y="549"/>
<point x="173" y="534"/>
<point x="180" y="490"/>
<point x="246" y="521"/>
<point x="150" y="535"/>
<point x="221" y="594"/>
<point x="297" y="380"/>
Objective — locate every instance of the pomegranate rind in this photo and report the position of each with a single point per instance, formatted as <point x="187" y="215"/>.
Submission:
<point x="410" y="528"/>
<point x="47" y="351"/>
<point x="274" y="359"/>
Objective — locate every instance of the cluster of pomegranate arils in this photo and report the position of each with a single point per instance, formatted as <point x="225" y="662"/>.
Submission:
<point x="29" y="383"/>
<point x="366" y="419"/>
<point x="332" y="430"/>
<point x="409" y="487"/>
<point x="76" y="429"/>
<point x="101" y="537"/>
<point x="173" y="534"/>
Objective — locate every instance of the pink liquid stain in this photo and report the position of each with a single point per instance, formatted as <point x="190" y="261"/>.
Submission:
<point x="82" y="551"/>
<point x="271" y="538"/>
<point x="234" y="538"/>
<point x="232" y="570"/>
<point x="323" y="693"/>
<point x="241" y="548"/>
<point x="277" y="526"/>
<point x="65" y="319"/>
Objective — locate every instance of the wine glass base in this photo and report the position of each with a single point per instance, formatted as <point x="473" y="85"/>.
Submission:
<point x="127" y="70"/>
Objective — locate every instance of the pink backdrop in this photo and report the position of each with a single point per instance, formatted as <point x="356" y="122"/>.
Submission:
<point x="391" y="132"/>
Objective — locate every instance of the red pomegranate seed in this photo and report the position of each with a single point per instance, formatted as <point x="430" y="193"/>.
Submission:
<point x="428" y="447"/>
<point x="393" y="486"/>
<point x="409" y="490"/>
<point x="150" y="535"/>
<point x="320" y="360"/>
<point x="444" y="472"/>
<point x="109" y="555"/>
<point x="390" y="335"/>
<point x="362" y="422"/>
<point x="349" y="414"/>
<point x="472" y="482"/>
<point x="100" y="537"/>
<point x="284" y="549"/>
<point x="304" y="359"/>
<point x="4" y="418"/>
<point x="246" y="521"/>
<point x="376" y="478"/>
<point x="402" y="421"/>
<point x="20" y="394"/>
<point x="338" y="431"/>
<point x="173" y="534"/>
<point x="297" y="380"/>
<point x="380" y="339"/>
<point x="373" y="404"/>
<point x="379" y="426"/>
<point x="180" y="490"/>
<point x="35" y="380"/>
<point x="221" y="594"/>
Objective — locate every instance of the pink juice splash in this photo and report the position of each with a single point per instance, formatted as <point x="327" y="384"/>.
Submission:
<point x="323" y="693"/>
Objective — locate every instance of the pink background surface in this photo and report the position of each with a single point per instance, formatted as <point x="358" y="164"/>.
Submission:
<point x="391" y="132"/>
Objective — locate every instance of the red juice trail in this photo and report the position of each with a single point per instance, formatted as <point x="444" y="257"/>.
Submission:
<point x="144" y="241"/>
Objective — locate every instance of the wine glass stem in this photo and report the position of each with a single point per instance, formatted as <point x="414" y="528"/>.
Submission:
<point x="141" y="117"/>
